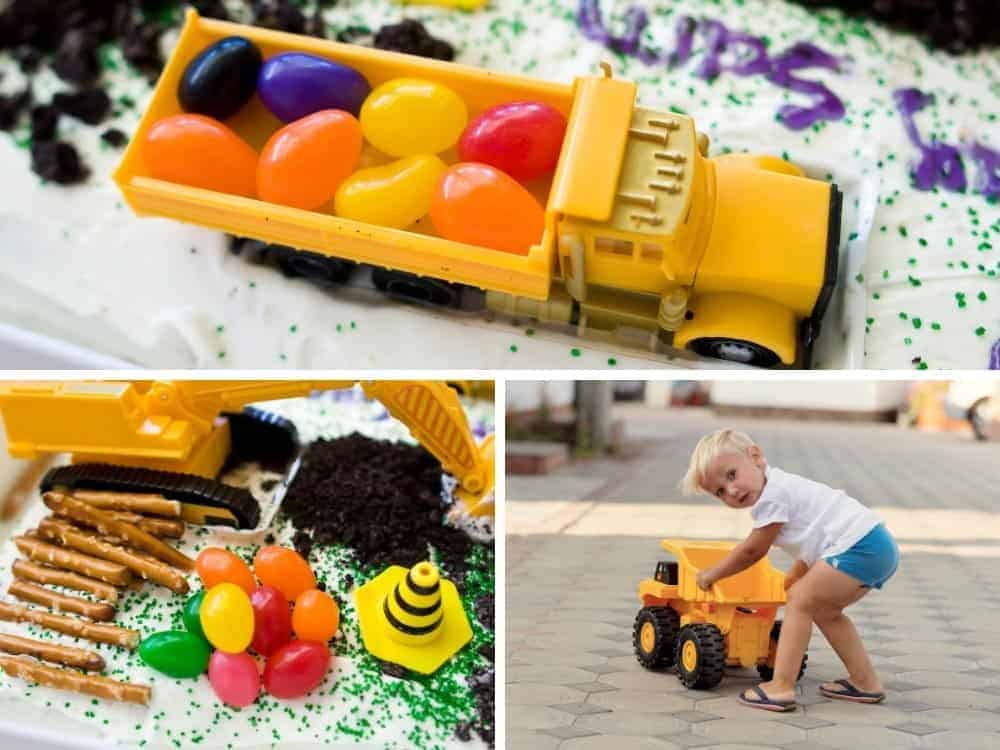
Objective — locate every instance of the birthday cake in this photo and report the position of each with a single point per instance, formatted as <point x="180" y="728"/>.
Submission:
<point x="365" y="501"/>
<point x="909" y="132"/>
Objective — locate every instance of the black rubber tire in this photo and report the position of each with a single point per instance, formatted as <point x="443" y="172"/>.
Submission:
<point x="756" y="355"/>
<point x="408" y="287"/>
<point x="766" y="671"/>
<point x="665" y="623"/>
<point x="976" y="419"/>
<point x="710" y="647"/>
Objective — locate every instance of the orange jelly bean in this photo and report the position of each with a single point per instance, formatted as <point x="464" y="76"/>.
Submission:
<point x="216" y="565"/>
<point x="285" y="570"/>
<point x="304" y="163"/>
<point x="316" y="616"/>
<point x="479" y="205"/>
<point x="201" y="152"/>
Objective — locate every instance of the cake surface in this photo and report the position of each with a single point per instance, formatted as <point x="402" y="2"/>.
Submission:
<point x="360" y="702"/>
<point x="911" y="135"/>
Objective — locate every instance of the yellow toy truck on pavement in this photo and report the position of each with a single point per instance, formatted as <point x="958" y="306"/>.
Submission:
<point x="646" y="238"/>
<point x="703" y="632"/>
<point x="175" y="438"/>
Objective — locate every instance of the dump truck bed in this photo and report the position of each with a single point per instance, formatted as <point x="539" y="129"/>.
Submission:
<point x="761" y="583"/>
<point x="415" y="250"/>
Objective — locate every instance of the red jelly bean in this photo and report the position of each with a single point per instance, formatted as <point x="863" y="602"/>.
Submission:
<point x="304" y="163"/>
<point x="199" y="151"/>
<point x="522" y="139"/>
<point x="216" y="565"/>
<point x="480" y="205"/>
<point x="272" y="622"/>
<point x="234" y="677"/>
<point x="296" y="668"/>
<point x="285" y="569"/>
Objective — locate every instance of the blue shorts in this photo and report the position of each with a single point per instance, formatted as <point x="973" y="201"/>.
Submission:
<point x="872" y="560"/>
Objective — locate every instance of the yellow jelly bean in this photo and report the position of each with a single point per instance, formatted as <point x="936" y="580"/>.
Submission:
<point x="409" y="116"/>
<point x="227" y="618"/>
<point x="394" y="195"/>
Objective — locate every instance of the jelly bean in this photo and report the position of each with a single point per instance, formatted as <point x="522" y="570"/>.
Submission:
<point x="199" y="151"/>
<point x="296" y="668"/>
<point x="293" y="85"/>
<point x="522" y="139"/>
<point x="304" y="163"/>
<point x="191" y="614"/>
<point x="394" y="195"/>
<point x="216" y="565"/>
<point x="285" y="570"/>
<point x="272" y="620"/>
<point x="409" y="116"/>
<point x="316" y="616"/>
<point x="227" y="618"/>
<point x="221" y="79"/>
<point x="176" y="653"/>
<point x="480" y="205"/>
<point x="234" y="677"/>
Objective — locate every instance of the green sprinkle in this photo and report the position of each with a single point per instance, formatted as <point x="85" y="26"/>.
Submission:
<point x="574" y="352"/>
<point x="981" y="331"/>
<point x="902" y="230"/>
<point x="612" y="361"/>
<point x="513" y="347"/>
<point x="917" y="322"/>
<point x="860" y="278"/>
<point x="936" y="326"/>
<point x="293" y="328"/>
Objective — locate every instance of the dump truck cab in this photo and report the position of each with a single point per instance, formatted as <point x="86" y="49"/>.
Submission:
<point x="734" y="256"/>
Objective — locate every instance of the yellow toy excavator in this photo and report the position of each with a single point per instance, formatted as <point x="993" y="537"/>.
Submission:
<point x="176" y="438"/>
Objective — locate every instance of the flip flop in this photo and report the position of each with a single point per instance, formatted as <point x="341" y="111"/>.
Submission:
<point x="851" y="693"/>
<point x="765" y="703"/>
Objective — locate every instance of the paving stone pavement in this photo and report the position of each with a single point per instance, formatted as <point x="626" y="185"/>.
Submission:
<point x="574" y="562"/>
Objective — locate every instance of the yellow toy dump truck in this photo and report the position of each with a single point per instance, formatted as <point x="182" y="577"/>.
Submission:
<point x="176" y="438"/>
<point x="703" y="632"/>
<point x="646" y="239"/>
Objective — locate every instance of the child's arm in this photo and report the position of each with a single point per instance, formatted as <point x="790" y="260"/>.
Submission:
<point x="744" y="554"/>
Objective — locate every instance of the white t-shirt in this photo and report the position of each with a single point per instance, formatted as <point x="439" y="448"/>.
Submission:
<point x="819" y="521"/>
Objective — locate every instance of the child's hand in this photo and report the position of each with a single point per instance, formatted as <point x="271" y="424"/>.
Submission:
<point x="706" y="579"/>
<point x="794" y="573"/>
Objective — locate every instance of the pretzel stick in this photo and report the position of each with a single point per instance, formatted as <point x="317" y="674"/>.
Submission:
<point x="162" y="527"/>
<point x="29" y="592"/>
<point x="67" y="507"/>
<point x="59" y="557"/>
<point x="156" y="505"/>
<point x="68" y="679"/>
<point x="90" y="631"/>
<point x="92" y="544"/>
<point x="53" y="652"/>
<point x="28" y="571"/>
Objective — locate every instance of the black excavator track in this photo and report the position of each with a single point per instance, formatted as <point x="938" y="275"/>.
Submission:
<point x="256" y="435"/>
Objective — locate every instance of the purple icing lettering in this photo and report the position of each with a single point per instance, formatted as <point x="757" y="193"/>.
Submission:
<point x="685" y="40"/>
<point x="826" y="106"/>
<point x="939" y="162"/>
<point x="988" y="172"/>
<point x="994" y="363"/>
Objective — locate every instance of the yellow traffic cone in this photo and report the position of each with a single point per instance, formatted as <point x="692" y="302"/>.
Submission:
<point x="412" y="617"/>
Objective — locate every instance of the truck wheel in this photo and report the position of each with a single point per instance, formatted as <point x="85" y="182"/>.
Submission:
<point x="735" y="350"/>
<point x="979" y="418"/>
<point x="766" y="671"/>
<point x="412" y="288"/>
<point x="701" y="656"/>
<point x="654" y="637"/>
<point x="309" y="265"/>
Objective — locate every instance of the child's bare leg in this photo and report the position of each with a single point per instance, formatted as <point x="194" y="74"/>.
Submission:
<point x="839" y="630"/>
<point x="822" y="589"/>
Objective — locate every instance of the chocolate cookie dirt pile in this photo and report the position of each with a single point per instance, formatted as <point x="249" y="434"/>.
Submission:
<point x="381" y="499"/>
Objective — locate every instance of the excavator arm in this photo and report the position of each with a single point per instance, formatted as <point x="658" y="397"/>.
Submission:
<point x="177" y="426"/>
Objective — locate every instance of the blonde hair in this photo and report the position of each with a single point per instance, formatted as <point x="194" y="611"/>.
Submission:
<point x="714" y="444"/>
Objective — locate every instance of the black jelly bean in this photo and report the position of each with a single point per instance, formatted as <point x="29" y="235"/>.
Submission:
<point x="221" y="79"/>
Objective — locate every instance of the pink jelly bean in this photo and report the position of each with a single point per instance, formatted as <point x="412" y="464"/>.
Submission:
<point x="272" y="620"/>
<point x="296" y="668"/>
<point x="234" y="678"/>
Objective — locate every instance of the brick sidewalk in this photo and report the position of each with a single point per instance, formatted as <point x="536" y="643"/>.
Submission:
<point x="574" y="564"/>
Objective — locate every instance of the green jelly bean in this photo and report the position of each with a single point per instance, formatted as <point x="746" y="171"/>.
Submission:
<point x="191" y="616"/>
<point x="176" y="653"/>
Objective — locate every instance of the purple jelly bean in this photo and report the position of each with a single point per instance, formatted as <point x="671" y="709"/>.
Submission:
<point x="293" y="85"/>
